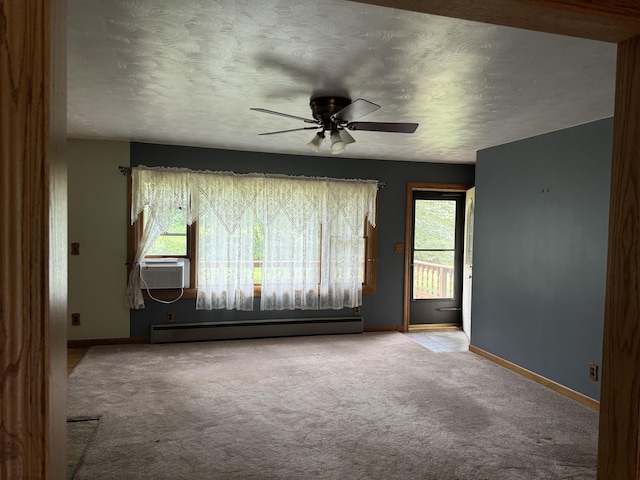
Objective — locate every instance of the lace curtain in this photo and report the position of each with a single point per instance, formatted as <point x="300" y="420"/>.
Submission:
<point x="227" y="205"/>
<point x="343" y="245"/>
<point x="291" y="216"/>
<point x="162" y="192"/>
<point x="312" y="228"/>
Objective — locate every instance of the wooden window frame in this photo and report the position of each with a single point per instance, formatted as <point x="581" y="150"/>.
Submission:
<point x="370" y="256"/>
<point x="134" y="231"/>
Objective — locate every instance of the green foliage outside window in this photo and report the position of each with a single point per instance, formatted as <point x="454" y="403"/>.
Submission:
<point x="172" y="243"/>
<point x="435" y="229"/>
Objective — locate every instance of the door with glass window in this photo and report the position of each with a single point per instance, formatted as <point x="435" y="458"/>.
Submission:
<point x="436" y="258"/>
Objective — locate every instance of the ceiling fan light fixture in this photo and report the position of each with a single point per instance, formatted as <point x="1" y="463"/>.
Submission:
<point x="316" y="141"/>
<point x="337" y="144"/>
<point x="346" y="137"/>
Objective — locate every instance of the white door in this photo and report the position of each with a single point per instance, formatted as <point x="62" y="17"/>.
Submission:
<point x="468" y="260"/>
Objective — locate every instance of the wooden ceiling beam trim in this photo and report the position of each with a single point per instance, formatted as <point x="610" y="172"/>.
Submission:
<point x="607" y="21"/>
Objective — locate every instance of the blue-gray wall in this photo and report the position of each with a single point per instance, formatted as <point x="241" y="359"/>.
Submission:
<point x="542" y="208"/>
<point x="379" y="310"/>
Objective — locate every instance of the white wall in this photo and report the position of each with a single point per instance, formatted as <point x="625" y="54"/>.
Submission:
<point x="98" y="221"/>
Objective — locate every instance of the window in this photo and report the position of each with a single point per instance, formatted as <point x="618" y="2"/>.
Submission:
<point x="192" y="242"/>
<point x="178" y="241"/>
<point x="173" y="242"/>
<point x="434" y="248"/>
<point x="370" y="234"/>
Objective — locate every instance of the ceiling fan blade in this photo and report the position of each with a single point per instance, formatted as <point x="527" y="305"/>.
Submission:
<point x="292" y="130"/>
<point x="383" y="127"/>
<point x="356" y="109"/>
<point x="346" y="137"/>
<point x="307" y="120"/>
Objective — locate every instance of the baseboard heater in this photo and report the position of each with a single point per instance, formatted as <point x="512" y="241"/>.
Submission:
<point x="199" y="332"/>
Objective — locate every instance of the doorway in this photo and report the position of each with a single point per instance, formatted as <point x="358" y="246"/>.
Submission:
<point x="434" y="255"/>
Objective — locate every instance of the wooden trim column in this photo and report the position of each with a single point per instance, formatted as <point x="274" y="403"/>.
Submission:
<point x="605" y="20"/>
<point x="618" y="451"/>
<point x="33" y="239"/>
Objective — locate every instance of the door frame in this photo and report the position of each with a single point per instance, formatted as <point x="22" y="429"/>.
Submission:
<point x="408" y="222"/>
<point x="34" y="239"/>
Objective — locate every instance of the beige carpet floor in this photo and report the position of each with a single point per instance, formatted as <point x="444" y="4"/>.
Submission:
<point x="371" y="406"/>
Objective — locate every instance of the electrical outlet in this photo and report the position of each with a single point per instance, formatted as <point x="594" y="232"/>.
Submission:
<point x="75" y="248"/>
<point x="593" y="372"/>
<point x="171" y="317"/>
<point x="356" y="310"/>
<point x="75" y="319"/>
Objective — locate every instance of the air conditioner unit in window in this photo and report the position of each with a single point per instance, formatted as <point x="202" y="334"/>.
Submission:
<point x="162" y="274"/>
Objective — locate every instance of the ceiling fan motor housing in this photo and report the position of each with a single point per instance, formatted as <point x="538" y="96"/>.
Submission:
<point x="323" y="108"/>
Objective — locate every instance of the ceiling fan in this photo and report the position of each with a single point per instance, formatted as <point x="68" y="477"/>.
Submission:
<point x="335" y="115"/>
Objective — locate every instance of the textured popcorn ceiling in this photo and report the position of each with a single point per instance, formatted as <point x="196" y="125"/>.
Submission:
<point x="187" y="72"/>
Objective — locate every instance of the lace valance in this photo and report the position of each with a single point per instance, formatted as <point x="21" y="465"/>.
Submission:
<point x="229" y="194"/>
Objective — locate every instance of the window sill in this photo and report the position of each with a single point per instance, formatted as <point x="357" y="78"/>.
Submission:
<point x="172" y="294"/>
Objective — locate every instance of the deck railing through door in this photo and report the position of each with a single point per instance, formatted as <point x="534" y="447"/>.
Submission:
<point x="431" y="280"/>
